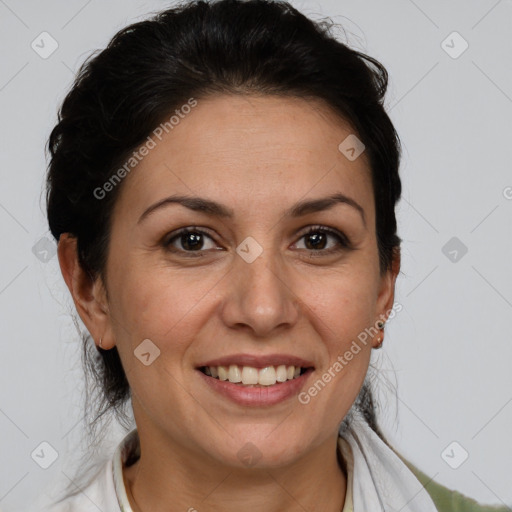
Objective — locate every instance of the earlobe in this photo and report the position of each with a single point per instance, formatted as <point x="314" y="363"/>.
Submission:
<point x="87" y="293"/>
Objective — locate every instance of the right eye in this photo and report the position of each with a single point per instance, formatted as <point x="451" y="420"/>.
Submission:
<point x="191" y="239"/>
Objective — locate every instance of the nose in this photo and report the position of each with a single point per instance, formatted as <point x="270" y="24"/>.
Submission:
<point x="260" y="298"/>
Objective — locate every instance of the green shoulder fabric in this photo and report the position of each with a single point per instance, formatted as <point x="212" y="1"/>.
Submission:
<point x="447" y="500"/>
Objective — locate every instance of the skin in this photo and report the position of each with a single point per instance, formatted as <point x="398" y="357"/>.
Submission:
<point x="258" y="156"/>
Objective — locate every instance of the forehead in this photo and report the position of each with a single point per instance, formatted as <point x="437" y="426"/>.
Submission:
<point x="273" y="148"/>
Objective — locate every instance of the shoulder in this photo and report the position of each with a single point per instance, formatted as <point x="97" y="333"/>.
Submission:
<point x="447" y="500"/>
<point x="98" y="494"/>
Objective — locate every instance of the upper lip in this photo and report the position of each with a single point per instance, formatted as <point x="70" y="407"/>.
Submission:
<point x="258" y="361"/>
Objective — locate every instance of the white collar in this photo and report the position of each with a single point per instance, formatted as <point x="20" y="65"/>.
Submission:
<point x="128" y="448"/>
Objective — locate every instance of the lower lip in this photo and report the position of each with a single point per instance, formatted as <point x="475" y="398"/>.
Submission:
<point x="257" y="396"/>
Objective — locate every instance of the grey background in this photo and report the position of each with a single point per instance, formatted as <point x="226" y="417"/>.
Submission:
<point x="447" y="352"/>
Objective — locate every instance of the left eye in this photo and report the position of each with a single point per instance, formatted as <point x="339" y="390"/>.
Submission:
<point x="318" y="235"/>
<point x="192" y="240"/>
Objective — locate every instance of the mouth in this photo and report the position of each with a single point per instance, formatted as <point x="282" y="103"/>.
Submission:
<point x="252" y="377"/>
<point x="256" y="380"/>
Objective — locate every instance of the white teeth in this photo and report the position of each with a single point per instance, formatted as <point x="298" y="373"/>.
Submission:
<point x="250" y="376"/>
<point x="267" y="376"/>
<point x="234" y="374"/>
<point x="281" y="373"/>
<point x="223" y="372"/>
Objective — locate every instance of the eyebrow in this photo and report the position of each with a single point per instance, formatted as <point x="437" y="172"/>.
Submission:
<point x="209" y="207"/>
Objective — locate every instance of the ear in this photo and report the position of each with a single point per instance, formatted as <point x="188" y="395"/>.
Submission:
<point x="386" y="297"/>
<point x="89" y="295"/>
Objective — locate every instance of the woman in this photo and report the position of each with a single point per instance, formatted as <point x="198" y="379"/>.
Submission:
<point x="222" y="186"/>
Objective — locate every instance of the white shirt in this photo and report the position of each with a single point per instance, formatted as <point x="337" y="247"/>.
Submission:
<point x="107" y="491"/>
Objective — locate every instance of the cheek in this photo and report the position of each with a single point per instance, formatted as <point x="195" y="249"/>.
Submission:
<point x="343" y="301"/>
<point x="158" y="303"/>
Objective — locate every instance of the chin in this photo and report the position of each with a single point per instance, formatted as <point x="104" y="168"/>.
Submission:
<point x="261" y="451"/>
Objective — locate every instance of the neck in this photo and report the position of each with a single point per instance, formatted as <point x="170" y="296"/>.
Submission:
<point x="317" y="482"/>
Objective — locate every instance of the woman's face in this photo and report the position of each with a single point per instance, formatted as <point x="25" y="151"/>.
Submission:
<point x="251" y="284"/>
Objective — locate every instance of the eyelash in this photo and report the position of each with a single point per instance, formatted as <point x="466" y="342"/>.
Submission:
<point x="343" y="241"/>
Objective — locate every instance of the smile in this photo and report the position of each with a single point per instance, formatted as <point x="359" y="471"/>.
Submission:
<point x="254" y="377"/>
<point x="251" y="393"/>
